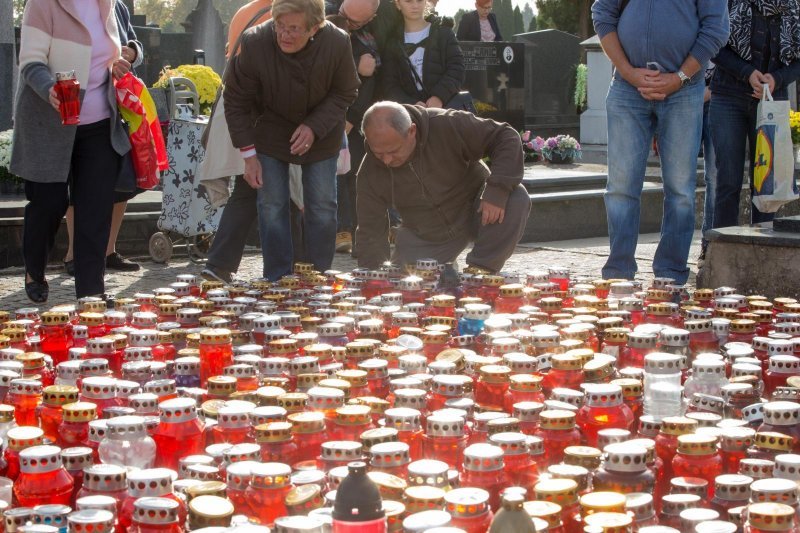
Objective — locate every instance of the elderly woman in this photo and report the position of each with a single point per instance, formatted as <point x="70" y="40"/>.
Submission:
<point x="286" y="95"/>
<point x="62" y="163"/>
<point x="763" y="49"/>
<point x="479" y="25"/>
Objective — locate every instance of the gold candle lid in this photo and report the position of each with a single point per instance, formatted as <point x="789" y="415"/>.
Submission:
<point x="597" y="502"/>
<point x="79" y="412"/>
<point x="6" y="412"/>
<point x="678" y="425"/>
<point x="697" y="444"/>
<point x="557" y="419"/>
<point x="209" y="511"/>
<point x="58" y="395"/>
<point x="215" y="336"/>
<point x="548" y="511"/>
<point x="772" y="440"/>
<point x="562" y="491"/>
<point x="273" y="432"/>
<point x="770" y="516"/>
<point x="54" y="318"/>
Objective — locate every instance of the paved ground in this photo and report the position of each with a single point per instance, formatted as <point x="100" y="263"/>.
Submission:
<point x="583" y="257"/>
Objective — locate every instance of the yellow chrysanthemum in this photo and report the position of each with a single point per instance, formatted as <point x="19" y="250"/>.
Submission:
<point x="206" y="82"/>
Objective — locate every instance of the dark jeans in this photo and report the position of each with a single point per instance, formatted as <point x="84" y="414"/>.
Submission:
<point x="93" y="173"/>
<point x="237" y="220"/>
<point x="733" y="128"/>
<point x="709" y="172"/>
<point x="346" y="185"/>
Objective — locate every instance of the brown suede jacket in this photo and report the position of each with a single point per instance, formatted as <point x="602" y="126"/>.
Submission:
<point x="436" y="189"/>
<point x="268" y="93"/>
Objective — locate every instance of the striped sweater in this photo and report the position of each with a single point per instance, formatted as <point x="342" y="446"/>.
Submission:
<point x="53" y="39"/>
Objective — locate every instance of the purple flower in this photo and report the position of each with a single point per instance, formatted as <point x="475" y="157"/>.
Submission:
<point x="526" y="136"/>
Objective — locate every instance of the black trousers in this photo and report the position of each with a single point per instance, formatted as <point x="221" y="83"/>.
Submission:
<point x="238" y="218"/>
<point x="93" y="177"/>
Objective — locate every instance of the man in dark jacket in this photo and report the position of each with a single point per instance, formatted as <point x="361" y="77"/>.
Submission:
<point x="426" y="163"/>
<point x="356" y="17"/>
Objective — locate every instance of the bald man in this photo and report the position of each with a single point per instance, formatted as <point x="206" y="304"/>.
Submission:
<point x="427" y="164"/>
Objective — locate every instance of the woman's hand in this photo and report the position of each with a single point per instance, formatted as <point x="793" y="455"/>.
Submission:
<point x="54" y="101"/>
<point x="757" y="81"/>
<point x="434" y="101"/>
<point x="366" y="65"/>
<point x="120" y="68"/>
<point x="129" y="54"/>
<point x="769" y="80"/>
<point x="252" y="172"/>
<point x="301" y="140"/>
<point x="421" y="104"/>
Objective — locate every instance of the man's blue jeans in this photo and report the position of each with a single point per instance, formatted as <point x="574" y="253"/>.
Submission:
<point x="733" y="127"/>
<point x="677" y="122"/>
<point x="709" y="171"/>
<point x="319" y="215"/>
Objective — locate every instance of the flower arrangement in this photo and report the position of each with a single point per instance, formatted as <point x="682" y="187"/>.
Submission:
<point x="532" y="148"/>
<point x="580" y="87"/>
<point x="794" y="126"/>
<point x="483" y="108"/>
<point x="561" y="149"/>
<point x="5" y="158"/>
<point x="204" y="78"/>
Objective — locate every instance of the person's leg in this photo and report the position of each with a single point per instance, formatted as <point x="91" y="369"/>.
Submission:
<point x="273" y="218"/>
<point x="93" y="161"/>
<point x="69" y="218"/>
<point x="496" y="242"/>
<point x="631" y="125"/>
<point x="408" y="248"/>
<point x="680" y="129"/>
<point x="237" y="220"/>
<point x="47" y="203"/>
<point x="709" y="176"/>
<point x="115" y="260"/>
<point x="319" y="212"/>
<point x="729" y="136"/>
<point x="751" y="114"/>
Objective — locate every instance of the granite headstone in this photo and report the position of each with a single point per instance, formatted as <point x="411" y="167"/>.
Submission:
<point x="551" y="60"/>
<point x="495" y="77"/>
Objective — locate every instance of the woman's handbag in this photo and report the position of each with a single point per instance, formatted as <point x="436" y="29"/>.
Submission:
<point x="773" y="168"/>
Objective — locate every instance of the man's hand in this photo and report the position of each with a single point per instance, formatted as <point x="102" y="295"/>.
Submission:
<point x="639" y="77"/>
<point x="252" y="172"/>
<point x="366" y="65"/>
<point x="707" y="95"/>
<point x="434" y="101"/>
<point x="120" y="68"/>
<point x="757" y="81"/>
<point x="490" y="213"/>
<point x="348" y="127"/>
<point x="53" y="96"/>
<point x="421" y="104"/>
<point x="301" y="140"/>
<point x="660" y="85"/>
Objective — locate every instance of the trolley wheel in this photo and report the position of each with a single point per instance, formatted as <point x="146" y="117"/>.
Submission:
<point x="160" y="247"/>
<point x="198" y="246"/>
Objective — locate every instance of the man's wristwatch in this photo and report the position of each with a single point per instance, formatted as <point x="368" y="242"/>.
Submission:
<point x="684" y="79"/>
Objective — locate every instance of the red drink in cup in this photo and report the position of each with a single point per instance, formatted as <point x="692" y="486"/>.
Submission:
<point x="68" y="90"/>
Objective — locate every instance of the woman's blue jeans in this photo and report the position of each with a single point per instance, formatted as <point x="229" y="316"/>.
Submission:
<point x="677" y="122"/>
<point x="319" y="215"/>
<point x="733" y="128"/>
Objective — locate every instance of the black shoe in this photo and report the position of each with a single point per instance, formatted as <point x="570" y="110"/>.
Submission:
<point x="210" y="274"/>
<point x="115" y="261"/>
<point x="69" y="268"/>
<point x="37" y="291"/>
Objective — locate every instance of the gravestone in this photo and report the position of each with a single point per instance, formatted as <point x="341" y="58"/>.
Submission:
<point x="8" y="65"/>
<point x="208" y="34"/>
<point x="495" y="77"/>
<point x="594" y="126"/>
<point x="551" y="60"/>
